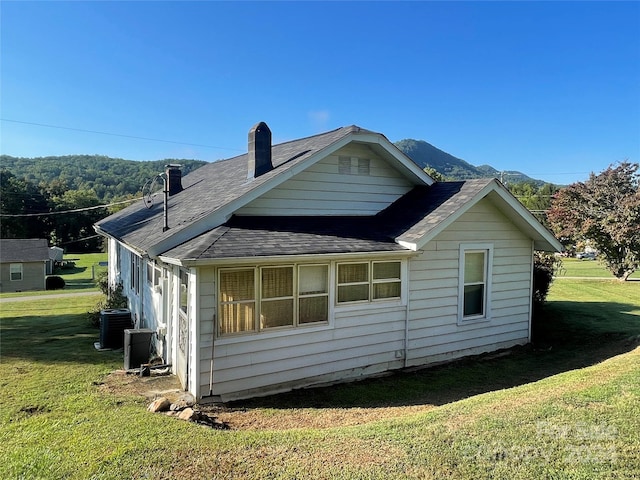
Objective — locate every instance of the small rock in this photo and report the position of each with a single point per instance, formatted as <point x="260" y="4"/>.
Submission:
<point x="179" y="405"/>
<point x="159" y="405"/>
<point x="187" y="414"/>
<point x="186" y="398"/>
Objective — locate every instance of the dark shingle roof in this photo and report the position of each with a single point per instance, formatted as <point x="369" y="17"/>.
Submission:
<point x="23" y="250"/>
<point x="420" y="210"/>
<point x="208" y="189"/>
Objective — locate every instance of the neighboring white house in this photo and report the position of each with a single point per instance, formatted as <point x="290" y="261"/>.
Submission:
<point x="322" y="259"/>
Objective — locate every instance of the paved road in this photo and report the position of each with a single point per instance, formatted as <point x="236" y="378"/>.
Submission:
<point x="44" y="297"/>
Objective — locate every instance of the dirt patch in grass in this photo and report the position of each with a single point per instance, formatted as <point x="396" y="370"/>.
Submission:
<point x="296" y="418"/>
<point x="119" y="383"/>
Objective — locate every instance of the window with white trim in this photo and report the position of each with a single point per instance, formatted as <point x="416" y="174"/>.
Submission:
<point x="184" y="291"/>
<point x="368" y="281"/>
<point x="313" y="293"/>
<point x="265" y="298"/>
<point x="154" y="274"/>
<point x="475" y="286"/>
<point x="135" y="272"/>
<point x="15" y="272"/>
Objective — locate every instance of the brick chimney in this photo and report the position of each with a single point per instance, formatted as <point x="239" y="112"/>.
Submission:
<point x="259" y="150"/>
<point x="174" y="178"/>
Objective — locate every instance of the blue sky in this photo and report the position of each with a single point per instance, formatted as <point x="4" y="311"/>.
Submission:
<point x="548" y="88"/>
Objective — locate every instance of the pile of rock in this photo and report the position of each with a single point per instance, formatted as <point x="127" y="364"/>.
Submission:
<point x="184" y="408"/>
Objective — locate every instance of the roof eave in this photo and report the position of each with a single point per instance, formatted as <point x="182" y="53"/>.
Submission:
<point x="201" y="262"/>
<point x="543" y="239"/>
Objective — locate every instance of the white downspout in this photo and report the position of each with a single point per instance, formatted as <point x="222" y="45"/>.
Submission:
<point x="531" y="292"/>
<point x="406" y="314"/>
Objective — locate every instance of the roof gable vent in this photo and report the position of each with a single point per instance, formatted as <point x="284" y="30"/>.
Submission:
<point x="259" y="161"/>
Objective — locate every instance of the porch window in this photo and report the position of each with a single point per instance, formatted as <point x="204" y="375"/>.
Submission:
<point x="184" y="291"/>
<point x="313" y="293"/>
<point x="135" y="273"/>
<point x="237" y="301"/>
<point x="264" y="298"/>
<point x="353" y="282"/>
<point x="15" y="271"/>
<point x="368" y="281"/>
<point x="149" y="272"/>
<point x="386" y="280"/>
<point x="276" y="307"/>
<point x="475" y="267"/>
<point x="154" y="273"/>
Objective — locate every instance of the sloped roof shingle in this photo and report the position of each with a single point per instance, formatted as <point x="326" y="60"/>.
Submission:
<point x="23" y="250"/>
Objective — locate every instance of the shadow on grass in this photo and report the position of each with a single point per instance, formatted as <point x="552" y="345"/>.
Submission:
<point x="82" y="284"/>
<point x="53" y="339"/>
<point x="567" y="336"/>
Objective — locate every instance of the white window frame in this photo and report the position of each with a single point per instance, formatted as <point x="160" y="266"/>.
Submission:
<point x="371" y="282"/>
<point x="134" y="276"/>
<point x="154" y="273"/>
<point x="16" y="268"/>
<point x="325" y="294"/>
<point x="487" y="250"/>
<point x="258" y="300"/>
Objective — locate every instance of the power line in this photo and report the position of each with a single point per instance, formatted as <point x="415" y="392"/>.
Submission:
<point x="85" y="209"/>
<point x="117" y="134"/>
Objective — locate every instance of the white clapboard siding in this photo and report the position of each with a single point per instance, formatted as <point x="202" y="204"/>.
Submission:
<point x="323" y="190"/>
<point x="354" y="344"/>
<point x="371" y="339"/>
<point x="434" y="332"/>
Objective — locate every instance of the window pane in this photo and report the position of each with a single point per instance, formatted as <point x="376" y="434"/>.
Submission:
<point x="277" y="282"/>
<point x="313" y="309"/>
<point x="386" y="270"/>
<point x="353" y="293"/>
<point x="276" y="313"/>
<point x="473" y="300"/>
<point x="15" y="270"/>
<point x="149" y="273"/>
<point x="237" y="317"/>
<point x="386" y="290"/>
<point x="237" y="285"/>
<point x="353" y="272"/>
<point x="313" y="279"/>
<point x="473" y="267"/>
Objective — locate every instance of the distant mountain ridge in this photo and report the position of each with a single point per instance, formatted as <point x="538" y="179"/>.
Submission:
<point x="426" y="155"/>
<point x="108" y="177"/>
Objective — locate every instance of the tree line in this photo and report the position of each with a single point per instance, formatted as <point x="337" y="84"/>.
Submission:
<point x="75" y="185"/>
<point x="603" y="211"/>
<point x="110" y="178"/>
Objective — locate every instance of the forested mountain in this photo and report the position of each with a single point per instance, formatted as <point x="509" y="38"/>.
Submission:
<point x="454" y="168"/>
<point x="60" y="198"/>
<point x="109" y="178"/>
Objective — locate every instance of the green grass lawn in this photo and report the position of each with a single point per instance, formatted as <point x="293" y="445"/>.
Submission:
<point x="80" y="276"/>
<point x="567" y="407"/>
<point x="572" y="267"/>
<point x="87" y="267"/>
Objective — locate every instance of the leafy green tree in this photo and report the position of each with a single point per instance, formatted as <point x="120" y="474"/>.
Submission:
<point x="74" y="229"/>
<point x="433" y="173"/>
<point x="537" y="198"/>
<point x="21" y="197"/>
<point x="604" y="210"/>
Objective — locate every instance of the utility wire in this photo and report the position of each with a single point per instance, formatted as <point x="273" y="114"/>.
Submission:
<point x="85" y="209"/>
<point x="117" y="134"/>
